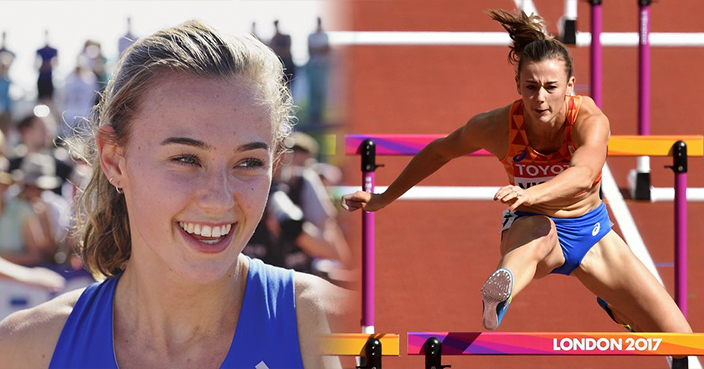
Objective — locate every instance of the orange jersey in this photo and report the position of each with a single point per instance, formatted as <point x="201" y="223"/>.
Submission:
<point x="526" y="167"/>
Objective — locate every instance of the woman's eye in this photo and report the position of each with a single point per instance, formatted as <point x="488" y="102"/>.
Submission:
<point x="186" y="159"/>
<point x="531" y="88"/>
<point x="251" y="163"/>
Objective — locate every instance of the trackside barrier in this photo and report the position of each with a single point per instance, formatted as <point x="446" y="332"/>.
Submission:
<point x="370" y="347"/>
<point x="433" y="345"/>
<point x="679" y="147"/>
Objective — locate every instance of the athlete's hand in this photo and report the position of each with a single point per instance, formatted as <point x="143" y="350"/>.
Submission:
<point x="362" y="200"/>
<point x="514" y="196"/>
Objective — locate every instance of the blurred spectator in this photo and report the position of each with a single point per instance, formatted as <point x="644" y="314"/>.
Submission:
<point x="47" y="58"/>
<point x="281" y="44"/>
<point x="317" y="71"/>
<point x="95" y="61"/>
<point x="4" y="163"/>
<point x="25" y="232"/>
<point x="6" y="59"/>
<point x="253" y="31"/>
<point x="80" y="94"/>
<point x="299" y="223"/>
<point x="36" y="137"/>
<point x="128" y="39"/>
<point x="36" y="179"/>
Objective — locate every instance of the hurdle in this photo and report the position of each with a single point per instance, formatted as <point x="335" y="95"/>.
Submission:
<point x="433" y="345"/>
<point x="678" y="147"/>
<point x="370" y="347"/>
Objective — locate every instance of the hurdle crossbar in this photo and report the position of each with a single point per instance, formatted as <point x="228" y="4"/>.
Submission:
<point x="352" y="344"/>
<point x="627" y="145"/>
<point x="560" y="343"/>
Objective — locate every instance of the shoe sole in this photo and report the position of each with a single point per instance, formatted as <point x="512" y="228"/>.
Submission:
<point x="495" y="290"/>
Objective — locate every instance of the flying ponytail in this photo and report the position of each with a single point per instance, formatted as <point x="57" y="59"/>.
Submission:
<point x="531" y="40"/>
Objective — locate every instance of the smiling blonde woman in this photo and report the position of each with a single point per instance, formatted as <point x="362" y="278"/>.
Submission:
<point x="183" y="146"/>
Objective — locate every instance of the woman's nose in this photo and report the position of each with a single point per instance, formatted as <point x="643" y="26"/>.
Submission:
<point x="217" y="193"/>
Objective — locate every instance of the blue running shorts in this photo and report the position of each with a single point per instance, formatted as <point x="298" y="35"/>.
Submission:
<point x="575" y="235"/>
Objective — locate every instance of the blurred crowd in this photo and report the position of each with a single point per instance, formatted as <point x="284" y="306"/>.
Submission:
<point x="39" y="178"/>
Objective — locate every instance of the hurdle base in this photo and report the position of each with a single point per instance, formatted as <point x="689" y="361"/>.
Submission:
<point x="682" y="363"/>
<point x="639" y="184"/>
<point x="433" y="354"/>
<point x="569" y="32"/>
<point x="372" y="355"/>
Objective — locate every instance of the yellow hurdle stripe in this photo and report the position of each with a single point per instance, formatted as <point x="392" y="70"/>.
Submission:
<point x="653" y="145"/>
<point x="352" y="344"/>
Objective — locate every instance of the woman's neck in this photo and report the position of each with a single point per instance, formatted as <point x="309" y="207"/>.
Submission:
<point x="169" y="311"/>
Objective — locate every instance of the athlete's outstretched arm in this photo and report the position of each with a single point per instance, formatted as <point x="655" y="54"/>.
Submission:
<point x="591" y="136"/>
<point x="465" y="140"/>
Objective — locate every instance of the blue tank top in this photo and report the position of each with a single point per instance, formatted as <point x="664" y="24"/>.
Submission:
<point x="266" y="334"/>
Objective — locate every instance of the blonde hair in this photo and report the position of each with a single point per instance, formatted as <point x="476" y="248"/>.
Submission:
<point x="531" y="40"/>
<point x="192" y="48"/>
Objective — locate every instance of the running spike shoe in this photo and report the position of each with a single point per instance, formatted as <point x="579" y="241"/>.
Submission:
<point x="496" y="297"/>
<point x="605" y="305"/>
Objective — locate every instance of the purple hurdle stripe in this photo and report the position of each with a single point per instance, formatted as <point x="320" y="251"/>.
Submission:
<point x="595" y="52"/>
<point x="644" y="68"/>
<point x="368" y="262"/>
<point x="681" y="241"/>
<point x="394" y="144"/>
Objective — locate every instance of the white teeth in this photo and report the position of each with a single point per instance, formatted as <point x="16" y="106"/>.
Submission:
<point x="206" y="231"/>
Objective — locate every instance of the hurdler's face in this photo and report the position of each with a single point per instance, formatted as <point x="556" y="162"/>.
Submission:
<point x="196" y="174"/>
<point x="543" y="86"/>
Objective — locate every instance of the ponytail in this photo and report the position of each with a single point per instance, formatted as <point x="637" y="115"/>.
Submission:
<point x="531" y="40"/>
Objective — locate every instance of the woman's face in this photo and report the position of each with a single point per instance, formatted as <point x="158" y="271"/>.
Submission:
<point x="543" y="86"/>
<point x="196" y="174"/>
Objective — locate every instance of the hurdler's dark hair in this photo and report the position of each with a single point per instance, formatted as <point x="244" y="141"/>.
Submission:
<point x="531" y="40"/>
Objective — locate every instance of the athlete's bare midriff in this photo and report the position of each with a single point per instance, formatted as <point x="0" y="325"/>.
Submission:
<point x="567" y="208"/>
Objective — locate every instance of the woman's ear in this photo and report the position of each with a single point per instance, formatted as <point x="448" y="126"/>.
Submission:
<point x="111" y="155"/>
<point x="570" y="86"/>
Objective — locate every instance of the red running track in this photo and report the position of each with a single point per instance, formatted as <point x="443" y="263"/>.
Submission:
<point x="432" y="257"/>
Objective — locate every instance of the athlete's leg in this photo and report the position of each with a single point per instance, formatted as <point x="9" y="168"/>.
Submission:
<point x="530" y="250"/>
<point x="611" y="271"/>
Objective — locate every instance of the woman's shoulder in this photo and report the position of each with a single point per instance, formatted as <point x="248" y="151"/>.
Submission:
<point x="315" y="293"/>
<point x="493" y="116"/>
<point x="319" y="305"/>
<point x="28" y="337"/>
<point x="587" y="107"/>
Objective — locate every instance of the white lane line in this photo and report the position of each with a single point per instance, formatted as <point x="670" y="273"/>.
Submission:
<point x="630" y="233"/>
<point x="625" y="220"/>
<point x="608" y="39"/>
<point x="526" y="5"/>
